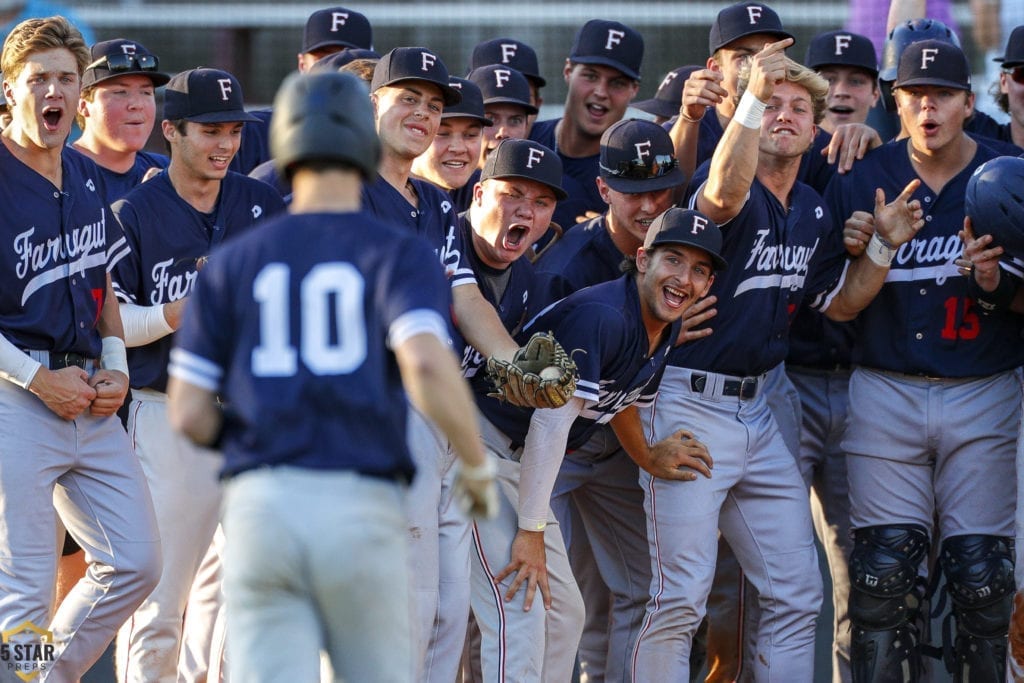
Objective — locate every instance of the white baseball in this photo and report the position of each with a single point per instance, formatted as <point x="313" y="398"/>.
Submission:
<point x="550" y="372"/>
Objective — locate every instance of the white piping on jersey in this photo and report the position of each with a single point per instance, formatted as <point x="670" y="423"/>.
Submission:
<point x="194" y="369"/>
<point x="792" y="282"/>
<point x="62" y="272"/>
<point x="937" y="273"/>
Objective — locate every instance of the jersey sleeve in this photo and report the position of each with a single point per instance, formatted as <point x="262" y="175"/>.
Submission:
<point x="414" y="297"/>
<point x="588" y="336"/>
<point x="828" y="265"/>
<point x="202" y="344"/>
<point x="124" y="272"/>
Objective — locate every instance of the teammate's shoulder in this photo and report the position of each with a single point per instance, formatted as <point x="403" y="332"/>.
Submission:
<point x="571" y="243"/>
<point x="544" y="132"/>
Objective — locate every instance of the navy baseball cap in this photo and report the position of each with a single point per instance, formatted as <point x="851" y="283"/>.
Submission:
<point x="1014" y="53"/>
<point x="611" y="44"/>
<point x="414" y="64"/>
<point x="525" y="159"/>
<point x="690" y="228"/>
<point x="120" y="57"/>
<point x="337" y="27"/>
<point x="503" y="85"/>
<point x="471" y="106"/>
<point x="933" y="62"/>
<point x="638" y="156"/>
<point x="510" y="52"/>
<point x="336" y="60"/>
<point x="205" y="96"/>
<point x="668" y="99"/>
<point x="842" y="48"/>
<point x="744" y="19"/>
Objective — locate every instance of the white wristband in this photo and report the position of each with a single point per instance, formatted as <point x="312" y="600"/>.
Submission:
<point x="880" y="251"/>
<point x="750" y="111"/>
<point x="488" y="469"/>
<point x="114" y="356"/>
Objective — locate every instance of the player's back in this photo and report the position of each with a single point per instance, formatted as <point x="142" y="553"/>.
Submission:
<point x="312" y="300"/>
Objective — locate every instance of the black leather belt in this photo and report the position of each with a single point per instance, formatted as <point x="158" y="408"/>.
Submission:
<point x="67" y="360"/>
<point x="745" y="387"/>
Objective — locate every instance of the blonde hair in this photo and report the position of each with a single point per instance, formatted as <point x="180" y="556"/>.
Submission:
<point x="798" y="74"/>
<point x="38" y="35"/>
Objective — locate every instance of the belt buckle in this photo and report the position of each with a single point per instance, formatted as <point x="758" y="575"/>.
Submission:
<point x="748" y="387"/>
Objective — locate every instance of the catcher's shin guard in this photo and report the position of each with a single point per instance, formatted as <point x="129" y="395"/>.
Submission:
<point x="979" y="578"/>
<point x="885" y="603"/>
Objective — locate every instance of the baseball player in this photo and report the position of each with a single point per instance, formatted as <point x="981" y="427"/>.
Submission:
<point x="332" y="484"/>
<point x="450" y="162"/>
<point x="1009" y="96"/>
<point x="665" y="103"/>
<point x="818" y="363"/>
<point x="64" y="368"/>
<point x="602" y="73"/>
<point x="172" y="222"/>
<point x="624" y="329"/>
<point x="597" y="498"/>
<point x="928" y="364"/>
<point x="327" y="31"/>
<point x="409" y="91"/>
<point x="506" y="94"/>
<point x="517" y="55"/>
<point x="784" y="247"/>
<point x="117" y="111"/>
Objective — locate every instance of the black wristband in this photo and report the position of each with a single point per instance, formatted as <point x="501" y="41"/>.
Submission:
<point x="997" y="300"/>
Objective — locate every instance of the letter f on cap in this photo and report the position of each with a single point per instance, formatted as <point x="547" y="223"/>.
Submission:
<point x="534" y="156"/>
<point x="428" y="60"/>
<point x="614" y="38"/>
<point x="754" y="12"/>
<point x="928" y="55"/>
<point x="842" y="42"/>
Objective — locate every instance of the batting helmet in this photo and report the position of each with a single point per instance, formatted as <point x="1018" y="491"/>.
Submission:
<point x="910" y="31"/>
<point x="995" y="203"/>
<point x="324" y="117"/>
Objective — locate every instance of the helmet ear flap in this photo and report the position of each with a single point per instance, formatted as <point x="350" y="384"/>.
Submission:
<point x="324" y="117"/>
<point x="994" y="201"/>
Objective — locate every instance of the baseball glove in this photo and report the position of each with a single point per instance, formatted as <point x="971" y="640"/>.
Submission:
<point x="521" y="382"/>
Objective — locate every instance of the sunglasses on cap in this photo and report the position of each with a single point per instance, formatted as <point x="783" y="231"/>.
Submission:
<point x="121" y="63"/>
<point x="1016" y="73"/>
<point x="661" y="164"/>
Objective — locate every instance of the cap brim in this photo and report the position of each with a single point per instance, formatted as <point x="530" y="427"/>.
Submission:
<point x="560" y="194"/>
<point x="484" y="121"/>
<point x="604" y="61"/>
<point x="537" y="79"/>
<point x="656" y="107"/>
<point x="940" y="82"/>
<point x="159" y="79"/>
<point x="717" y="261"/>
<point x="673" y="178"/>
<point x="222" y="117"/>
<point x="451" y="95"/>
<point x="331" y="43"/>
<point x="1008" y="62"/>
<point x="779" y="35"/>
<point x="530" y="109"/>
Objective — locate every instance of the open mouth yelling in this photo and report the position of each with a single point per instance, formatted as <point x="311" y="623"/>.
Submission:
<point x="930" y="127"/>
<point x="515" y="237"/>
<point x="841" y="110"/>
<point x="597" y="111"/>
<point x="51" y="118"/>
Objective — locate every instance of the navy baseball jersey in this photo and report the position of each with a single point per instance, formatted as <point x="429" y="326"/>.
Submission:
<point x="585" y="256"/>
<point x="255" y="147"/>
<point x="579" y="178"/>
<point x="58" y="246"/>
<point x="435" y="221"/>
<point x="602" y="328"/>
<point x="294" y="322"/>
<point x="922" y="322"/>
<point x="508" y="290"/>
<point x="776" y="257"/>
<point x="168" y="237"/>
<point x="120" y="184"/>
